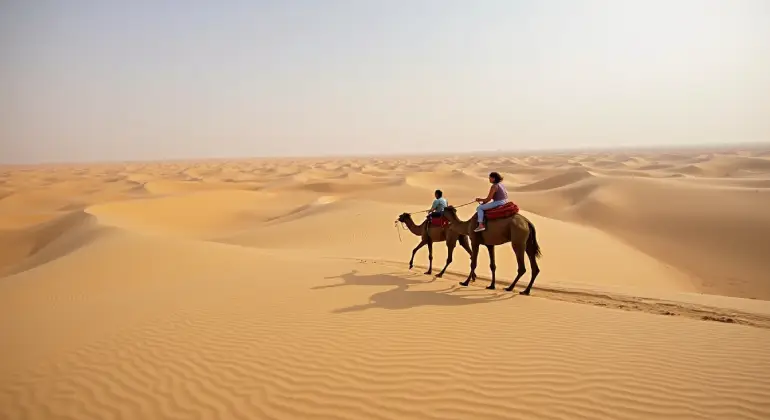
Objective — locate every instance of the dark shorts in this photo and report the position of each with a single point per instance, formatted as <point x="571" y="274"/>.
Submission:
<point x="436" y="214"/>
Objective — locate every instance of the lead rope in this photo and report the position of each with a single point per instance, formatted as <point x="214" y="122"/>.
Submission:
<point x="457" y="207"/>
<point x="466" y="204"/>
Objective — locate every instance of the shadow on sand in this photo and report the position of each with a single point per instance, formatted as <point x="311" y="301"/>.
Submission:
<point x="405" y="297"/>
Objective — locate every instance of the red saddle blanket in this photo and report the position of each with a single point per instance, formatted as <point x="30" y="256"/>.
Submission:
<point x="439" y="221"/>
<point x="508" y="209"/>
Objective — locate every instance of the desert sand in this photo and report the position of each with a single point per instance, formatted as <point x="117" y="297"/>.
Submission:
<point x="279" y="289"/>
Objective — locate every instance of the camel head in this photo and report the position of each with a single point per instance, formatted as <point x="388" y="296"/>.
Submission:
<point x="450" y="212"/>
<point x="404" y="217"/>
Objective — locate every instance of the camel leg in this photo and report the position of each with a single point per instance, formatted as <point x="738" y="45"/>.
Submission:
<point x="430" y="257"/>
<point x="464" y="243"/>
<point x="535" y="271"/>
<point x="414" y="251"/>
<point x="474" y="257"/>
<point x="518" y="249"/>
<point x="450" y="249"/>
<point x="491" y="250"/>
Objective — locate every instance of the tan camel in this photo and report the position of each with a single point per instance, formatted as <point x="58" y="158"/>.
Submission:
<point x="517" y="230"/>
<point x="431" y="235"/>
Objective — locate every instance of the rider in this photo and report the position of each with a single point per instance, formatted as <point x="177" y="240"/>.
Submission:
<point x="438" y="206"/>
<point x="497" y="197"/>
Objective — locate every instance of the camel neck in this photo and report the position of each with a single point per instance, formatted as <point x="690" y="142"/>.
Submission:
<point x="413" y="227"/>
<point x="459" y="225"/>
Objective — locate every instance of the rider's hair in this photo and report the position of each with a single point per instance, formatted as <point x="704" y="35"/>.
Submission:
<point x="496" y="177"/>
<point x="439" y="194"/>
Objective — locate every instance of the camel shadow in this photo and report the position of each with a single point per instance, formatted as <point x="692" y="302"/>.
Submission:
<point x="353" y="278"/>
<point x="404" y="295"/>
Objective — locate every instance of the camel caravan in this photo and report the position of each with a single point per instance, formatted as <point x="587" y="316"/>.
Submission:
<point x="497" y="222"/>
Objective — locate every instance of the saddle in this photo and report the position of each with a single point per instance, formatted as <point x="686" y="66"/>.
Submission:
<point x="508" y="209"/>
<point x="439" y="221"/>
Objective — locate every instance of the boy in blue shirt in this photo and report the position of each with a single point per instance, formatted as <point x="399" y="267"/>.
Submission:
<point x="438" y="206"/>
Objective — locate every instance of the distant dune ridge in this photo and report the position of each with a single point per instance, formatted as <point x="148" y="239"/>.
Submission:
<point x="279" y="289"/>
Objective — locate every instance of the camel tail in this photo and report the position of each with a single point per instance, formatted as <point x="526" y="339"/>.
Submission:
<point x="532" y="245"/>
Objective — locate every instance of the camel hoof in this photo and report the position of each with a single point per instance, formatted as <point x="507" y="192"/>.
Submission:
<point x="439" y="275"/>
<point x="490" y="287"/>
<point x="524" y="292"/>
<point x="427" y="272"/>
<point x="464" y="283"/>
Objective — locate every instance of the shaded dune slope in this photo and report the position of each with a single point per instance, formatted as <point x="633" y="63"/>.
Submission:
<point x="718" y="234"/>
<point x="29" y="247"/>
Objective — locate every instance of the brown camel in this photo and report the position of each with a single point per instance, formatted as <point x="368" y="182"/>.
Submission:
<point x="431" y="235"/>
<point x="517" y="230"/>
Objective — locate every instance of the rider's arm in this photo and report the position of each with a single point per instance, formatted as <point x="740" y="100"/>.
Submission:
<point x="491" y="194"/>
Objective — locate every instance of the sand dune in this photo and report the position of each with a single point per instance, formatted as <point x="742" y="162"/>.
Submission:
<point x="736" y="166"/>
<point x="280" y="289"/>
<point x="197" y="214"/>
<point x="343" y="186"/>
<point x="27" y="247"/>
<point x="716" y="233"/>
<point x="557" y="181"/>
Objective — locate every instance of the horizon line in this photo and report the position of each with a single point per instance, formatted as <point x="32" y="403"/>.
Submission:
<point x="705" y="147"/>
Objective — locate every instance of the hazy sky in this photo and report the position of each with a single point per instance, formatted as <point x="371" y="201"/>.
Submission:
<point x="156" y="79"/>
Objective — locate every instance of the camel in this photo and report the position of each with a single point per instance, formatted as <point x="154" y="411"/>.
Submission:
<point x="516" y="229"/>
<point x="431" y="235"/>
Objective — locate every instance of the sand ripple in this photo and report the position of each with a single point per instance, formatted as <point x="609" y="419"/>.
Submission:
<point x="278" y="289"/>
